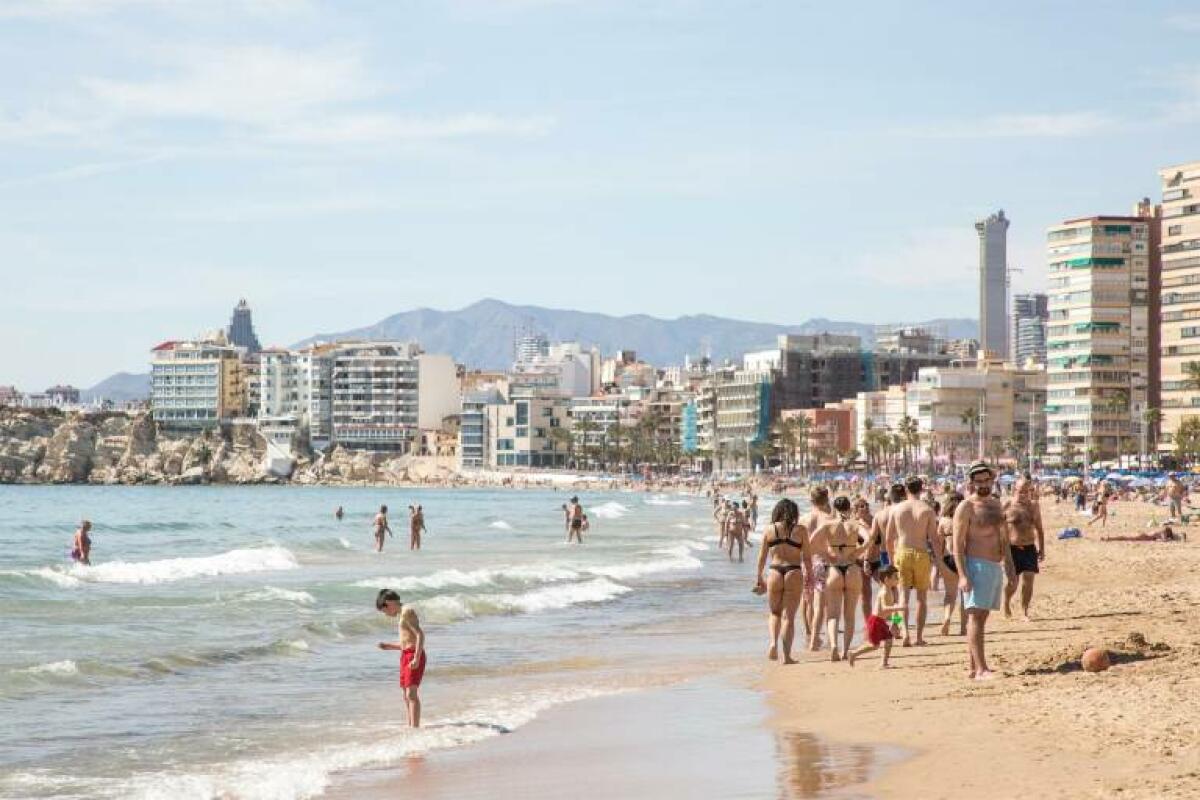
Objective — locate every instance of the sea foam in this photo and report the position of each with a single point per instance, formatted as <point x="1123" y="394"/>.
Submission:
<point x="307" y="774"/>
<point x="610" y="510"/>
<point x="167" y="570"/>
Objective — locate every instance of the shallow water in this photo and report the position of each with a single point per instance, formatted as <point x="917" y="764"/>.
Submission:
<point x="224" y="641"/>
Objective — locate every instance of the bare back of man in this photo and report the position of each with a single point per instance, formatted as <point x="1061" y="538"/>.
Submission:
<point x="911" y="535"/>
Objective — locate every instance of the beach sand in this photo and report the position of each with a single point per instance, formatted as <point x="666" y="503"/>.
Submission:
<point x="1044" y="728"/>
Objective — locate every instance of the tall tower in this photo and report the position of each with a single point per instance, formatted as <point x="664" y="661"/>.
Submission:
<point x="993" y="284"/>
<point x="241" y="329"/>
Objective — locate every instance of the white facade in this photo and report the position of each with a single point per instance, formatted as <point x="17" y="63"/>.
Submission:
<point x="883" y="410"/>
<point x="437" y="390"/>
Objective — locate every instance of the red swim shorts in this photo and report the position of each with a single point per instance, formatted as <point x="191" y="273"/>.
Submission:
<point x="878" y="630"/>
<point x="410" y="674"/>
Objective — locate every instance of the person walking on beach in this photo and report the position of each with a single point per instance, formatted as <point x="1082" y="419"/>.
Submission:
<point x="1100" y="507"/>
<point x="416" y="526"/>
<point x="574" y="521"/>
<point x="1175" y="494"/>
<point x="753" y="512"/>
<point x="785" y="545"/>
<point x="911" y="537"/>
<point x="381" y="528"/>
<point x="735" y="531"/>
<point x="980" y="553"/>
<point x="815" y="579"/>
<point x="1027" y="543"/>
<point x="412" y="651"/>
<point x="842" y="549"/>
<point x="950" y="598"/>
<point x="881" y="627"/>
<point x="719" y="514"/>
<point x="865" y="523"/>
<point x="81" y="548"/>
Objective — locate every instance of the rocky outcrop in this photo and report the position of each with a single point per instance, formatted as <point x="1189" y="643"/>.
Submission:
<point x="115" y="448"/>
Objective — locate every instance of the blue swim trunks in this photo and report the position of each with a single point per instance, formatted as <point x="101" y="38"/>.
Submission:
<point x="987" y="582"/>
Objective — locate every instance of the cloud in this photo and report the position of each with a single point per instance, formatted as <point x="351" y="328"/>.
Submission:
<point x="1189" y="23"/>
<point x="250" y="85"/>
<point x="252" y="95"/>
<point x="945" y="259"/>
<point x="1062" y="125"/>
<point x="76" y="9"/>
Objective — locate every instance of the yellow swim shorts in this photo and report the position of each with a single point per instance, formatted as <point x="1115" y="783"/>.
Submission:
<point x="914" y="566"/>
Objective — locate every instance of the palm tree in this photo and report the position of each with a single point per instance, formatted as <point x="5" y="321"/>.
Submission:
<point x="1118" y="403"/>
<point x="1151" y="418"/>
<point x="785" y="432"/>
<point x="585" y="427"/>
<point x="1067" y="447"/>
<point x="803" y="431"/>
<point x="970" y="418"/>
<point x="560" y="436"/>
<point x="910" y="436"/>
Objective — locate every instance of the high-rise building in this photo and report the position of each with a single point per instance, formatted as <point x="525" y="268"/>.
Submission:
<point x="993" y="284"/>
<point x="1098" y="335"/>
<point x="196" y="384"/>
<point x="1180" y="299"/>
<point x="531" y="346"/>
<point x="241" y="329"/>
<point x="1029" y="315"/>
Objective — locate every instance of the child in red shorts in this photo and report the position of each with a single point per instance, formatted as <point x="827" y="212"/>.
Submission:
<point x="411" y="647"/>
<point x="879" y="630"/>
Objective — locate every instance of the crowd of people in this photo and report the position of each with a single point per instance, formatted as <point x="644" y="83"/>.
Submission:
<point x="842" y="559"/>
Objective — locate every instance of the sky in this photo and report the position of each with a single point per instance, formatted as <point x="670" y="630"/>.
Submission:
<point x="337" y="162"/>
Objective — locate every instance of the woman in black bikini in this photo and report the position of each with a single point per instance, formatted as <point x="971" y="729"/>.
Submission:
<point x="945" y="525"/>
<point x="785" y="541"/>
<point x="844" y="584"/>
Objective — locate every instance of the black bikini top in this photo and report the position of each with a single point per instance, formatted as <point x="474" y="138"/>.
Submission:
<point x="788" y="540"/>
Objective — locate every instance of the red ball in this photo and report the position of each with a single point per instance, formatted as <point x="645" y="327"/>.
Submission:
<point x="1095" y="659"/>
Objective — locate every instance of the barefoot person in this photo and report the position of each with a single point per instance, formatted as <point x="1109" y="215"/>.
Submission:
<point x="870" y="561"/>
<point x="416" y="526"/>
<point x="735" y="531"/>
<point x="1027" y="543"/>
<point x="785" y="545"/>
<point x="816" y="578"/>
<point x="381" y="528"/>
<point x="911" y="537"/>
<point x="1163" y="534"/>
<point x="881" y="628"/>
<point x="412" y="651"/>
<point x="842" y="549"/>
<point x="950" y="598"/>
<point x="574" y="521"/>
<point x="81" y="548"/>
<point x="980" y="553"/>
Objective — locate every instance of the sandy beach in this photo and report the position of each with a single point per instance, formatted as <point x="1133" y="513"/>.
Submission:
<point x="1044" y="728"/>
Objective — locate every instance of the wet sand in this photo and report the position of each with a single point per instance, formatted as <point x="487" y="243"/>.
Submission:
<point x="1044" y="728"/>
<point x="705" y="739"/>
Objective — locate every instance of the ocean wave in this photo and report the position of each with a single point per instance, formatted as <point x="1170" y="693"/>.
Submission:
<point x="676" y="559"/>
<point x="683" y="526"/>
<point x="451" y="608"/>
<point x="42" y="574"/>
<point x="666" y="500"/>
<point x="167" y="570"/>
<point x="66" y="667"/>
<point x="271" y="593"/>
<point x="448" y="578"/>
<point x="610" y="510"/>
<point x="308" y="773"/>
<point x="500" y="525"/>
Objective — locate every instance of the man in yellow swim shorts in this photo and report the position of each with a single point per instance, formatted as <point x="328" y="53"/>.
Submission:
<point x="911" y="534"/>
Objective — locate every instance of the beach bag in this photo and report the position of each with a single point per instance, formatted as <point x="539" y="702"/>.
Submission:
<point x="1070" y="533"/>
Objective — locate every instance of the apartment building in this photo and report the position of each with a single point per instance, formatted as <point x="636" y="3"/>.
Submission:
<point x="521" y="432"/>
<point x="196" y="384"/>
<point x="1180" y="316"/>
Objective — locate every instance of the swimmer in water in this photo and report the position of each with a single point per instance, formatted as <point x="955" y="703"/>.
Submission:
<point x="416" y="526"/>
<point x="381" y="528"/>
<point x="412" y="651"/>
<point x="81" y="549"/>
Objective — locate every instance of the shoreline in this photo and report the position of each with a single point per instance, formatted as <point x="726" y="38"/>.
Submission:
<point x="1044" y="728"/>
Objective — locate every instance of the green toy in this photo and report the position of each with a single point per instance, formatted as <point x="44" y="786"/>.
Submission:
<point x="897" y="618"/>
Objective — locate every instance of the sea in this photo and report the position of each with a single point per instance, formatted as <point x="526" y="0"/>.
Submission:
<point x="224" y="641"/>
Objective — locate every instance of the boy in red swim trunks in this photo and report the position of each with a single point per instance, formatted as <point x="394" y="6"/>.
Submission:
<point x="411" y="647"/>
<point x="879" y="629"/>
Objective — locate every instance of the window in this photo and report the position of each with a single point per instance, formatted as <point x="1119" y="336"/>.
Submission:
<point x="522" y="413"/>
<point x="1174" y="230"/>
<point x="547" y="411"/>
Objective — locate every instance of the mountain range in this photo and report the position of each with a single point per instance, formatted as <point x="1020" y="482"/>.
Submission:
<point x="482" y="336"/>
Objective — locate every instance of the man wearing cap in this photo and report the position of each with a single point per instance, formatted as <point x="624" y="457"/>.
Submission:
<point x="982" y="556"/>
<point x="911" y="535"/>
